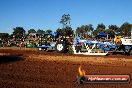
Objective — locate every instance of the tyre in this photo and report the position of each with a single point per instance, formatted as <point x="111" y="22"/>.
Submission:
<point x="77" y="48"/>
<point x="130" y="51"/>
<point x="61" y="47"/>
<point x="44" y="49"/>
<point x="39" y="49"/>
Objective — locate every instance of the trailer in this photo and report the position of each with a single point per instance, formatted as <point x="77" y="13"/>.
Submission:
<point x="84" y="47"/>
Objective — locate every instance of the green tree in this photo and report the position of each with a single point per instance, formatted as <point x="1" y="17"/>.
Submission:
<point x="68" y="31"/>
<point x="4" y="36"/>
<point x="40" y="31"/>
<point x="49" y="31"/>
<point x="85" y="30"/>
<point x="65" y="31"/>
<point x="110" y="33"/>
<point x="100" y="27"/>
<point x="31" y="31"/>
<point x="18" y="33"/>
<point x="125" y="29"/>
<point x="65" y="20"/>
<point x="79" y="30"/>
<point x="59" y="31"/>
<point x="89" y="28"/>
<point x="114" y="28"/>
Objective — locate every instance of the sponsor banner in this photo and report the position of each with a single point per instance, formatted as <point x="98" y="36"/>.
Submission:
<point x="104" y="79"/>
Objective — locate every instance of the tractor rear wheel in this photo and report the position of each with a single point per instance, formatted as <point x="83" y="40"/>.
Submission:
<point x="130" y="51"/>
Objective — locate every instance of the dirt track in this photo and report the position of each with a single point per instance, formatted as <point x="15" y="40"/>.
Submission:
<point x="33" y="69"/>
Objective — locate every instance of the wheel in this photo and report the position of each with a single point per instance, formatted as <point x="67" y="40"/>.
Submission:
<point x="128" y="52"/>
<point x="61" y="47"/>
<point x="131" y="52"/>
<point x="77" y="48"/>
<point x="44" y="49"/>
<point x="40" y="49"/>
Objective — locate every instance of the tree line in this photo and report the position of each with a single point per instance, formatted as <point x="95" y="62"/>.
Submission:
<point x="87" y="31"/>
<point x="112" y="30"/>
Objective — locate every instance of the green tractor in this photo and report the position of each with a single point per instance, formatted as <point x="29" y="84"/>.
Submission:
<point x="31" y="44"/>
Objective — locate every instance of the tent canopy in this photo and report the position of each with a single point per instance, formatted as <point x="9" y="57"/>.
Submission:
<point x="102" y="34"/>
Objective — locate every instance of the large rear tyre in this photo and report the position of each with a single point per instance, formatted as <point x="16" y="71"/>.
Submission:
<point x="130" y="52"/>
<point x="39" y="49"/>
<point x="61" y="47"/>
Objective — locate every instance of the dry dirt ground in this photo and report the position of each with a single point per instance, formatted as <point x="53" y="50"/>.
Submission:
<point x="27" y="68"/>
